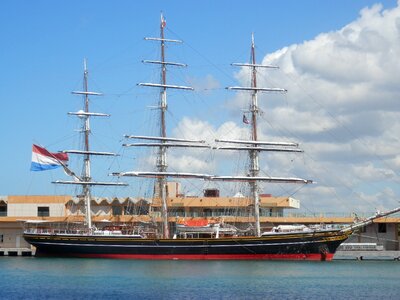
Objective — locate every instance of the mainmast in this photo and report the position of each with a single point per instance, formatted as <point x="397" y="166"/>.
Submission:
<point x="86" y="180"/>
<point x="163" y="140"/>
<point x="162" y="158"/>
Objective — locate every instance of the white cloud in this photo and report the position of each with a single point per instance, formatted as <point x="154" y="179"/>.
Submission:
<point x="306" y="122"/>
<point x="352" y="67"/>
<point x="368" y="172"/>
<point x="205" y="84"/>
<point x="202" y="130"/>
<point x="194" y="129"/>
<point x="343" y="99"/>
<point x="342" y="107"/>
<point x="183" y="163"/>
<point x="395" y="162"/>
<point x="204" y="160"/>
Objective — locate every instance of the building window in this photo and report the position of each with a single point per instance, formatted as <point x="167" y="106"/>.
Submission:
<point x="129" y="210"/>
<point x="3" y="210"/>
<point x="142" y="210"/>
<point x="136" y="210"/>
<point x="43" y="211"/>
<point x="207" y="212"/>
<point x="382" y="227"/>
<point x="117" y="210"/>
<point x="1" y="238"/>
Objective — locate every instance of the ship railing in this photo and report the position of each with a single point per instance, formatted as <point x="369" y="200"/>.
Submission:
<point x="51" y="231"/>
<point x="223" y="214"/>
<point x="267" y="213"/>
<point x="333" y="215"/>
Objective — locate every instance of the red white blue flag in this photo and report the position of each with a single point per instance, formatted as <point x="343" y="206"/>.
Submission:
<point x="163" y="22"/>
<point x="43" y="160"/>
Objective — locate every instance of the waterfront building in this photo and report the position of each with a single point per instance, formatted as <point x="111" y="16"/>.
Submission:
<point x="237" y="210"/>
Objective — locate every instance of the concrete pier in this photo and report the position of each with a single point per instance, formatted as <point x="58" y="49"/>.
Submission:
<point x="16" y="252"/>
<point x="367" y="255"/>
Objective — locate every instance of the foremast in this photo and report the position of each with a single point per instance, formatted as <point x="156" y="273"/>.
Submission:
<point x="85" y="180"/>
<point x="86" y="157"/>
<point x="162" y="148"/>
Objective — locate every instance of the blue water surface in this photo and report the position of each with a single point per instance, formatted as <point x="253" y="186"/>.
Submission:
<point x="60" y="278"/>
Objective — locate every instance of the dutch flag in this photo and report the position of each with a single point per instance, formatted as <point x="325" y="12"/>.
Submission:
<point x="43" y="160"/>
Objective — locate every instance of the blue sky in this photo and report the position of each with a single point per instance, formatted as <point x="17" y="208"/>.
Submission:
<point x="45" y="42"/>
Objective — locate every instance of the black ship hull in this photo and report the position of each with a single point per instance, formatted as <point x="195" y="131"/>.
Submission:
<point x="284" y="246"/>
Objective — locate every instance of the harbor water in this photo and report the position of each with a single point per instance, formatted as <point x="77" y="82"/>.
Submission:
<point x="60" y="278"/>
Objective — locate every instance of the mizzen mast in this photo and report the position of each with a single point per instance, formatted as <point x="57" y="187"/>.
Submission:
<point x="254" y="164"/>
<point x="86" y="131"/>
<point x="254" y="146"/>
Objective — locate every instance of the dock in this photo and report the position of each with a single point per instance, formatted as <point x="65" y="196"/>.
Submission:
<point x="367" y="255"/>
<point x="16" y="252"/>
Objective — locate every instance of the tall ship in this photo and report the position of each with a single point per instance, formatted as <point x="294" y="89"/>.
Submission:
<point x="198" y="239"/>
